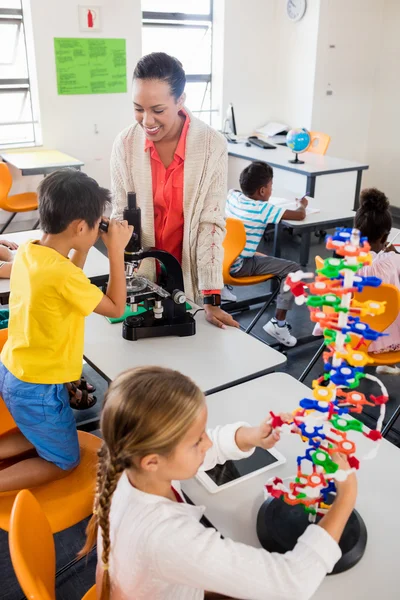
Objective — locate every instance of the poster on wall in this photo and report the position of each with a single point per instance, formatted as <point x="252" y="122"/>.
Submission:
<point x="89" y="18"/>
<point x="90" y="66"/>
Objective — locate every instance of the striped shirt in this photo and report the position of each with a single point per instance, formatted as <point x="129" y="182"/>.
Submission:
<point x="256" y="215"/>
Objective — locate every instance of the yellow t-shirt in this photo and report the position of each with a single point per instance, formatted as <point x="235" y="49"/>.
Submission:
<point x="49" y="300"/>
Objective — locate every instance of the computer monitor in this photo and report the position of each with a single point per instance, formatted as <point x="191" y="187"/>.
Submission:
<point x="230" y="122"/>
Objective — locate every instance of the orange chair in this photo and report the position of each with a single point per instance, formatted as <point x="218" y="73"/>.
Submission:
<point x="235" y="241"/>
<point x="32" y="550"/>
<point x="18" y="202"/>
<point x="66" y="501"/>
<point x="319" y="142"/>
<point x="7" y="423"/>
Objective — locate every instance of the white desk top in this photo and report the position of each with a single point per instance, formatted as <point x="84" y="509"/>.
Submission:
<point x="39" y="161"/>
<point x="96" y="265"/>
<point x="234" y="511"/>
<point x="314" y="164"/>
<point x="323" y="216"/>
<point x="212" y="357"/>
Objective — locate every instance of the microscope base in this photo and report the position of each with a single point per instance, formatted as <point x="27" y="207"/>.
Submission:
<point x="146" y="326"/>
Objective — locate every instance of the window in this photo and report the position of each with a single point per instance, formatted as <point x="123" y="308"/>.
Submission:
<point x="18" y="124"/>
<point x="185" y="31"/>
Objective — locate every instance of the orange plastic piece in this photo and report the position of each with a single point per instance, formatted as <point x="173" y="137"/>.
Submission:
<point x="32" y="549"/>
<point x="18" y="202"/>
<point x="67" y="501"/>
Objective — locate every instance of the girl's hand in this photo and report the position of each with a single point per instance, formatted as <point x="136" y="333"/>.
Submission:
<point x="218" y="317"/>
<point x="347" y="488"/>
<point x="262" y="436"/>
<point x="10" y="245"/>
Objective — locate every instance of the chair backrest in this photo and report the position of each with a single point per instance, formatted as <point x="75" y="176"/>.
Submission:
<point x="234" y="242"/>
<point x="384" y="293"/>
<point x="5" y="182"/>
<point x="32" y="548"/>
<point x="319" y="142"/>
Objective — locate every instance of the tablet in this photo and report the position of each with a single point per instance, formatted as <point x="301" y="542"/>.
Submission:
<point x="235" y="471"/>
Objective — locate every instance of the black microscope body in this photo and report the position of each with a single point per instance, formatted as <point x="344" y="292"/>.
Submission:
<point x="165" y="304"/>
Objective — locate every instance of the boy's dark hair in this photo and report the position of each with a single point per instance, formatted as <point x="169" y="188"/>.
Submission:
<point x="68" y="195"/>
<point x="256" y="175"/>
<point x="373" y="218"/>
<point x="162" y="66"/>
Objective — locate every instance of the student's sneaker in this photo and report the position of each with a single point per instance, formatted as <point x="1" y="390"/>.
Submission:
<point x="282" y="334"/>
<point x="387" y="370"/>
<point x="227" y="296"/>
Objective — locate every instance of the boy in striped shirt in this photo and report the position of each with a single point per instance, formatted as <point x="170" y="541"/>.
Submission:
<point x="251" y="206"/>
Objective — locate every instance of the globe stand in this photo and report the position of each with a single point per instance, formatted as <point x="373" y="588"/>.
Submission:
<point x="279" y="525"/>
<point x="296" y="160"/>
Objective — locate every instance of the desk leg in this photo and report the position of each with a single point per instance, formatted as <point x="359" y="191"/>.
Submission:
<point x="305" y="247"/>
<point x="276" y="251"/>
<point x="358" y="190"/>
<point x="310" y="189"/>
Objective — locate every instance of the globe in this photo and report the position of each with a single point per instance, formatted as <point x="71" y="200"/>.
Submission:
<point x="298" y="140"/>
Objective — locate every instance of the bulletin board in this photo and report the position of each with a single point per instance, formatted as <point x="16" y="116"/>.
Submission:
<point x="90" y="66"/>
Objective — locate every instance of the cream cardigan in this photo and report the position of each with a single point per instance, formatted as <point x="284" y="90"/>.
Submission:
<point x="204" y="198"/>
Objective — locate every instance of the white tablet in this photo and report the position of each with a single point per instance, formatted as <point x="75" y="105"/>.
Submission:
<point x="235" y="471"/>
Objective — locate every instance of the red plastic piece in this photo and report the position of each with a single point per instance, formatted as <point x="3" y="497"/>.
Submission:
<point x="353" y="462"/>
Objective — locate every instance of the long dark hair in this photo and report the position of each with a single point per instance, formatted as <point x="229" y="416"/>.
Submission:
<point x="162" y="66"/>
<point x="373" y="218"/>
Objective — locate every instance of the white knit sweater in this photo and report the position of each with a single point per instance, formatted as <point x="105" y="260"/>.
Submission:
<point x="160" y="551"/>
<point x="204" y="197"/>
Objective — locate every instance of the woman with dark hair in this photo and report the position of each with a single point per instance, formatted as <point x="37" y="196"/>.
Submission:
<point x="177" y="165"/>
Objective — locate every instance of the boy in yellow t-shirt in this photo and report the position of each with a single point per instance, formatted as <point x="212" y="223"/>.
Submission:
<point x="49" y="300"/>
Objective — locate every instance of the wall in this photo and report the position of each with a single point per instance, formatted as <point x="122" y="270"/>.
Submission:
<point x="243" y="71"/>
<point x="348" y="70"/>
<point x="263" y="63"/>
<point x="383" y="152"/>
<point x="69" y="122"/>
<point x="294" y="57"/>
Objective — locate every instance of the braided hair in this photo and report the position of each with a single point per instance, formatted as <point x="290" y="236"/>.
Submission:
<point x="147" y="410"/>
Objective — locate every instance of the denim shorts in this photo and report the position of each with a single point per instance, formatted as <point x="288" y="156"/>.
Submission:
<point x="44" y="416"/>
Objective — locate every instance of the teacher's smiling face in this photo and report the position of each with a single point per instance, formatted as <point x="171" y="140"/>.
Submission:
<point x="156" y="109"/>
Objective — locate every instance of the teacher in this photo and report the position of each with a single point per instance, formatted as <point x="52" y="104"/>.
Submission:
<point x="177" y="165"/>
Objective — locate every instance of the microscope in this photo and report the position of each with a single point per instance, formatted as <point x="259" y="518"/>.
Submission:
<point x="165" y="304"/>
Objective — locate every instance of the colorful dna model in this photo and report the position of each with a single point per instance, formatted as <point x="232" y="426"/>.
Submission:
<point x="325" y="420"/>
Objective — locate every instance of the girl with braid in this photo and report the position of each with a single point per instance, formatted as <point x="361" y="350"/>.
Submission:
<point x="151" y="543"/>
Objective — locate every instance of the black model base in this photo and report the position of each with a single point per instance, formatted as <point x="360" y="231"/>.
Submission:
<point x="146" y="326"/>
<point x="279" y="525"/>
<point x="296" y="161"/>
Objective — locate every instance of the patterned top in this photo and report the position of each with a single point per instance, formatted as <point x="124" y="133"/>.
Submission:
<point x="256" y="215"/>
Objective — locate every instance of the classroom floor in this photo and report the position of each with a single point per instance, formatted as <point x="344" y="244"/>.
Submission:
<point x="73" y="584"/>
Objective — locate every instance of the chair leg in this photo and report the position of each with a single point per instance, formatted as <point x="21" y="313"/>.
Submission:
<point x="391" y="422"/>
<point x="36" y="224"/>
<point x="312" y="362"/>
<point x="2" y="230"/>
<point x="258" y="316"/>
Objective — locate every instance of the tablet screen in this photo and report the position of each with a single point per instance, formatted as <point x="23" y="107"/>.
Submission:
<point x="234" y="469"/>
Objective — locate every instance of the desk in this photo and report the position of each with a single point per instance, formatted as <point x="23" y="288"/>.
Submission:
<point x="214" y="358"/>
<point x="325" y="219"/>
<point x="97" y="267"/>
<point x="234" y="511"/>
<point x="40" y="162"/>
<point x="337" y="182"/>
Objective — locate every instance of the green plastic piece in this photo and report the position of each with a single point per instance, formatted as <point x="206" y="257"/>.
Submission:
<point x="326" y="300"/>
<point x="326" y="462"/>
<point x="346" y="425"/>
